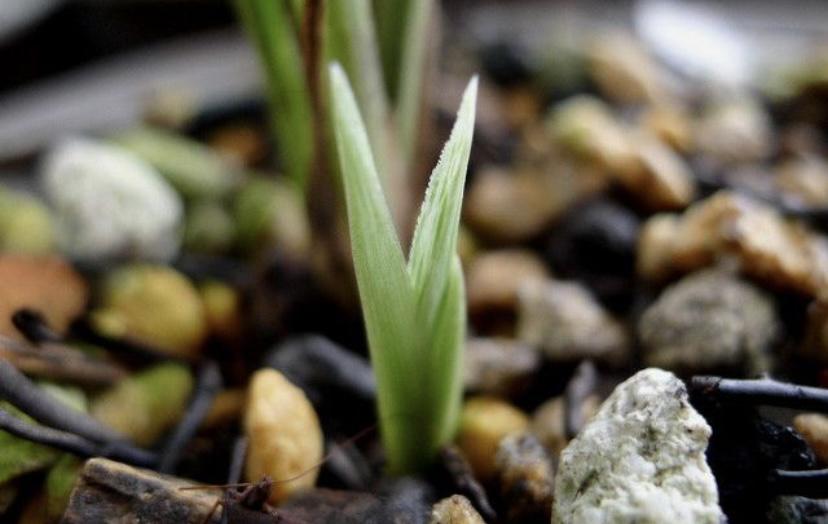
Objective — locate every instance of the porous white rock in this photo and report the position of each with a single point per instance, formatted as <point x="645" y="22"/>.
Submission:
<point x="110" y="203"/>
<point x="640" y="460"/>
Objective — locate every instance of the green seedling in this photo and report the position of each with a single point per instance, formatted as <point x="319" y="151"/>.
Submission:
<point x="414" y="310"/>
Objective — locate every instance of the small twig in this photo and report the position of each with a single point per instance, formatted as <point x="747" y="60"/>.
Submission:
<point x="761" y="391"/>
<point x="811" y="483"/>
<point x="74" y="443"/>
<point x="208" y="385"/>
<point x="46" y="409"/>
<point x="59" y="362"/>
<point x="130" y="349"/>
<point x="33" y="325"/>
<point x="580" y="387"/>
<point x="237" y="459"/>
<point x="465" y="482"/>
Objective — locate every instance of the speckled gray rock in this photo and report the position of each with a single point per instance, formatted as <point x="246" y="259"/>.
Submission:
<point x="710" y="319"/>
<point x="525" y="476"/>
<point x="567" y="323"/>
<point x="455" y="509"/>
<point x="108" y="203"/>
<point x="640" y="460"/>
<point x="798" y="510"/>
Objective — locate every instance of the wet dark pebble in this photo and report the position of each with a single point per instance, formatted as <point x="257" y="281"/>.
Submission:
<point x="455" y="475"/>
<point x="506" y="63"/>
<point x="596" y="242"/>
<point x="743" y="450"/>
<point x="798" y="510"/>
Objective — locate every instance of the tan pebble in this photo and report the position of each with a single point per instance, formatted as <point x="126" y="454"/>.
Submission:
<point x="778" y="252"/>
<point x="656" y="242"/>
<point x="455" y="509"/>
<point x="585" y="128"/>
<point x="663" y="181"/>
<point x="624" y="72"/>
<point x="814" y="429"/>
<point x="734" y="131"/>
<point x="494" y="277"/>
<point x="507" y="206"/>
<point x="803" y="181"/>
<point x="30" y="282"/>
<point x="285" y="437"/>
<point x="671" y="124"/>
<point x="483" y="423"/>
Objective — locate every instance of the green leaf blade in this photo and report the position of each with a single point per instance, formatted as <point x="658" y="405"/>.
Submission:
<point x="445" y="361"/>
<point x="271" y="26"/>
<point x="435" y="236"/>
<point x="384" y="287"/>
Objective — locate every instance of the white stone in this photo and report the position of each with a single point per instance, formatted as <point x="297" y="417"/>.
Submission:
<point x="110" y="203"/>
<point x="640" y="460"/>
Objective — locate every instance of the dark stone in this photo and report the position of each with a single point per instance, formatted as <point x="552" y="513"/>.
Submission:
<point x="798" y="510"/>
<point x="595" y="243"/>
<point x="405" y="500"/>
<point x="743" y="450"/>
<point x="506" y="63"/>
<point x="325" y="506"/>
<point x="454" y="475"/>
<point x="318" y="365"/>
<point x="109" y="491"/>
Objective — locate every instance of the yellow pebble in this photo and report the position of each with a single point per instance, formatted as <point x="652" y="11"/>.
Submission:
<point x="285" y="437"/>
<point x="483" y="424"/>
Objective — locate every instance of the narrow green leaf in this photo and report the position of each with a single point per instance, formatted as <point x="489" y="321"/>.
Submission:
<point x="435" y="237"/>
<point x="382" y="278"/>
<point x="351" y="41"/>
<point x="391" y="16"/>
<point x="414" y="313"/>
<point x="271" y="26"/>
<point x="410" y="70"/>
<point x="444" y="357"/>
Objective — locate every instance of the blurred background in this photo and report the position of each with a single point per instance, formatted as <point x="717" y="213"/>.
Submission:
<point x="81" y="65"/>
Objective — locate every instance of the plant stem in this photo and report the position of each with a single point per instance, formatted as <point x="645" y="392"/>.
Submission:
<point x="34" y="326"/>
<point x="59" y="362"/>
<point x="208" y="385"/>
<point x="271" y="26"/>
<point x="761" y="391"/>
<point x="127" y="349"/>
<point x="411" y="74"/>
<point x="237" y="459"/>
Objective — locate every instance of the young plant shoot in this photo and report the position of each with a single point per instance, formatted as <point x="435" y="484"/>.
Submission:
<point x="414" y="311"/>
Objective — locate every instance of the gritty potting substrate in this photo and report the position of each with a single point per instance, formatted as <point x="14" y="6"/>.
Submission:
<point x="181" y="339"/>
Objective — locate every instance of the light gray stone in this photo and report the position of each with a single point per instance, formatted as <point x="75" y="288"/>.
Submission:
<point x="708" y="320"/>
<point x="566" y="322"/>
<point x="640" y="460"/>
<point x="109" y="203"/>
